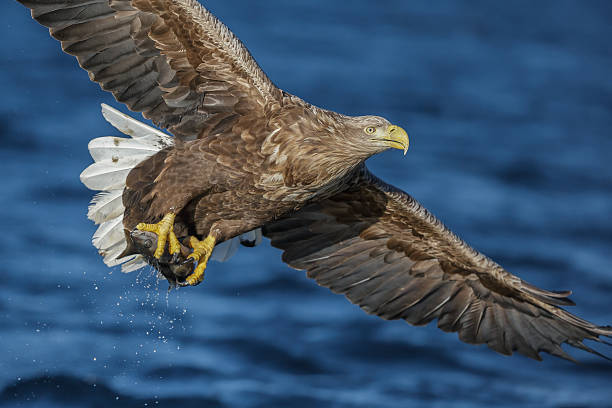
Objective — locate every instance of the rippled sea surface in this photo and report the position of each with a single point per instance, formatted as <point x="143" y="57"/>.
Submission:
<point x="509" y="108"/>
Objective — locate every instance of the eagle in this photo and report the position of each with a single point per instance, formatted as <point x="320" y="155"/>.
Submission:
<point x="248" y="159"/>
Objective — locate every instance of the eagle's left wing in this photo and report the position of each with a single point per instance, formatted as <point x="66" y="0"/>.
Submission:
<point x="389" y="255"/>
<point x="172" y="60"/>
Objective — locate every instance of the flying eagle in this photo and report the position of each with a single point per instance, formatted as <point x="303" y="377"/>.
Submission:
<point x="248" y="158"/>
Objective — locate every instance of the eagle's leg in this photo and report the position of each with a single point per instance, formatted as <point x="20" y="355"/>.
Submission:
<point x="201" y="252"/>
<point x="165" y="233"/>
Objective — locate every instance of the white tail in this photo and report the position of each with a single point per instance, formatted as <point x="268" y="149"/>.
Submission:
<point x="114" y="158"/>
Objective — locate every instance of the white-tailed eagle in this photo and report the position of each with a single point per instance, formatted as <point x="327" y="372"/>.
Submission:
<point x="248" y="158"/>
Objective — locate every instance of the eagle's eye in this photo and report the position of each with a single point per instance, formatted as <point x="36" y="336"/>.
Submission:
<point x="370" y="130"/>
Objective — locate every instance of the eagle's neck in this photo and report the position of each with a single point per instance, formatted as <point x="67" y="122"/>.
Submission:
<point x="319" y="164"/>
<point x="311" y="153"/>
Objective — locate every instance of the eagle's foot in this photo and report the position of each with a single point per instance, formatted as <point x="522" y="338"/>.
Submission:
<point x="165" y="233"/>
<point x="201" y="252"/>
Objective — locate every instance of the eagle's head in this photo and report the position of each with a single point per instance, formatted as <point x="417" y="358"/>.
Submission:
<point x="373" y="134"/>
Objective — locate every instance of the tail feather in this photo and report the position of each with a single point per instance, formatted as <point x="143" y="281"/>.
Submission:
<point x="224" y="250"/>
<point x="227" y="249"/>
<point x="106" y="206"/>
<point x="109" y="175"/>
<point x="109" y="148"/>
<point x="133" y="128"/>
<point x="111" y="256"/>
<point x="109" y="233"/>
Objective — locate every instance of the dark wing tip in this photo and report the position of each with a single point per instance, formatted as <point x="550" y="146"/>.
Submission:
<point x="582" y="346"/>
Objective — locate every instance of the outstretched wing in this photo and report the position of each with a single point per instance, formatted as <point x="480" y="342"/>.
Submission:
<point x="389" y="255"/>
<point x="172" y="60"/>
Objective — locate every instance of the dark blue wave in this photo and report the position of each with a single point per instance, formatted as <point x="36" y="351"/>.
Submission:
<point x="68" y="391"/>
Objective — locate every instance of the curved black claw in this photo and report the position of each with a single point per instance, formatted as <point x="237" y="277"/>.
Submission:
<point x="188" y="261"/>
<point x="185" y="283"/>
<point x="175" y="258"/>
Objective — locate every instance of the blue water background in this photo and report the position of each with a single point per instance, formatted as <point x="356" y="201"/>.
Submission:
<point x="509" y="108"/>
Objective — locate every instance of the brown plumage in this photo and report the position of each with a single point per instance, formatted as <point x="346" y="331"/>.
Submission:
<point x="248" y="155"/>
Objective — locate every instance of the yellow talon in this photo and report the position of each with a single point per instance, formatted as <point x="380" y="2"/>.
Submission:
<point x="165" y="232"/>
<point x="201" y="252"/>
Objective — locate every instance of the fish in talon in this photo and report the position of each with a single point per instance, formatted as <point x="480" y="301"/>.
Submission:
<point x="175" y="268"/>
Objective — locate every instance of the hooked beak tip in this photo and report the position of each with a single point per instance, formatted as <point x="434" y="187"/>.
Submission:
<point x="397" y="138"/>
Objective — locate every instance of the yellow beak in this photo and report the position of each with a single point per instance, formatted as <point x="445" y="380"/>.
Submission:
<point x="397" y="138"/>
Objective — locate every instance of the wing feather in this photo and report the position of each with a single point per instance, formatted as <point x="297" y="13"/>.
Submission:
<point x="379" y="247"/>
<point x="172" y="60"/>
